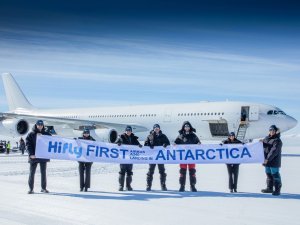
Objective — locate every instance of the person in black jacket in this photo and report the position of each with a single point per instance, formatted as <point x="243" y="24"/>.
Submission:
<point x="128" y="138"/>
<point x="187" y="136"/>
<point x="233" y="169"/>
<point x="38" y="129"/>
<point x="85" y="181"/>
<point x="22" y="146"/>
<point x="272" y="152"/>
<point x="157" y="138"/>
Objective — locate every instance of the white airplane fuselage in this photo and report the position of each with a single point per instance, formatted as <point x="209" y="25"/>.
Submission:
<point x="212" y="120"/>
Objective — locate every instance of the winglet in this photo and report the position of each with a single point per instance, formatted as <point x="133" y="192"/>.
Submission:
<point x="15" y="97"/>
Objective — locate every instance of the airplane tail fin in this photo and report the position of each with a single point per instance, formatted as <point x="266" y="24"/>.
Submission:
<point x="15" y="97"/>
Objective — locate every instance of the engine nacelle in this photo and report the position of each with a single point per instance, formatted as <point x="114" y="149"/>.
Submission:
<point x="104" y="135"/>
<point x="16" y="127"/>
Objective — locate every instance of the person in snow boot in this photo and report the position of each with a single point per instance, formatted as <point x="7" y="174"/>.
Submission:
<point x="272" y="152"/>
<point x="233" y="169"/>
<point x="38" y="129"/>
<point x="157" y="138"/>
<point x="128" y="138"/>
<point x="187" y="136"/>
<point x="85" y="167"/>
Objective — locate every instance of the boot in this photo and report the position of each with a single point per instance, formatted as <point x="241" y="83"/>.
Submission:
<point x="277" y="184"/>
<point x="193" y="179"/>
<point x="277" y="190"/>
<point x="182" y="180"/>
<point x="128" y="183"/>
<point x="182" y="188"/>
<point x="121" y="182"/>
<point x="149" y="181"/>
<point x="193" y="183"/>
<point x="270" y="181"/>
<point x="163" y="178"/>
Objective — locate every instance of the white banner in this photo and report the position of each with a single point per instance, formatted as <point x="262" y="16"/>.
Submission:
<point x="53" y="147"/>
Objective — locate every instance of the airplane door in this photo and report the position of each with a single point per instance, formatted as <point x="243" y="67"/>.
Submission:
<point x="253" y="112"/>
<point x="167" y="115"/>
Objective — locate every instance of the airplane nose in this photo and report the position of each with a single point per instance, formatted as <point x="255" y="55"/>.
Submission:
<point x="291" y="122"/>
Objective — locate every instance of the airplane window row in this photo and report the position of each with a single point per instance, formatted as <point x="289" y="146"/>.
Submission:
<point x="275" y="112"/>
<point x="147" y="115"/>
<point x="70" y="117"/>
<point x="200" y="114"/>
<point x="101" y="116"/>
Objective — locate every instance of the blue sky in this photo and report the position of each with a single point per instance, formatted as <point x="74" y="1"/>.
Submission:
<point x="94" y="53"/>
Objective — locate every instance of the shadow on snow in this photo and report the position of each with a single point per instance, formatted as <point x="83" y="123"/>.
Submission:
<point x="140" y="195"/>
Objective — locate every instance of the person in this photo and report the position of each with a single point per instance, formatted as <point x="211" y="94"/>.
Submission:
<point x="128" y="138"/>
<point x="8" y="146"/>
<point x="22" y="145"/>
<point x="38" y="129"/>
<point x="157" y="138"/>
<point x="272" y="151"/>
<point x="187" y="136"/>
<point x="85" y="167"/>
<point x="233" y="169"/>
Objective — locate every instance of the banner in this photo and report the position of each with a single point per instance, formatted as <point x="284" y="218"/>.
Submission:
<point x="53" y="147"/>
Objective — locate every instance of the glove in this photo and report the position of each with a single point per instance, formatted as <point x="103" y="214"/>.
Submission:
<point x="119" y="144"/>
<point x="221" y="144"/>
<point x="265" y="163"/>
<point x="243" y="143"/>
<point x="151" y="146"/>
<point x="140" y="145"/>
<point x="165" y="145"/>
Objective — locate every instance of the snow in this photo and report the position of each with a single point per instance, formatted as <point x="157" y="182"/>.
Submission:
<point x="104" y="205"/>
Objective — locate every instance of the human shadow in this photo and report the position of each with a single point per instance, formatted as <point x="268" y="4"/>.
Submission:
<point x="141" y="195"/>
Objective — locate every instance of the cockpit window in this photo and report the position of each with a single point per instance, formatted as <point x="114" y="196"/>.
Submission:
<point x="275" y="112"/>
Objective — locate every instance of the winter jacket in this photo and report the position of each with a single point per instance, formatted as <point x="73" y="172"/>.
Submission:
<point x="22" y="145"/>
<point x="157" y="140"/>
<point x="90" y="138"/>
<point x="184" y="138"/>
<point x="234" y="141"/>
<point x="128" y="140"/>
<point x="272" y="150"/>
<point x="31" y="144"/>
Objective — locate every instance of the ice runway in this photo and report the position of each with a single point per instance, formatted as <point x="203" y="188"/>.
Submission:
<point x="104" y="205"/>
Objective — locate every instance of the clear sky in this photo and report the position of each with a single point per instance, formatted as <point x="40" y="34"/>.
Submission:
<point x="95" y="53"/>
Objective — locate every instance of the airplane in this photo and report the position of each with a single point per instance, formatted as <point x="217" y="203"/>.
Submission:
<point x="213" y="120"/>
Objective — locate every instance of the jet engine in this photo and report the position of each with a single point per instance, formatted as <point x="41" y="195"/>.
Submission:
<point x="104" y="135"/>
<point x="16" y="127"/>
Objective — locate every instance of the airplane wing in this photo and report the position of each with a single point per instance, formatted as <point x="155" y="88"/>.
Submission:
<point x="71" y="123"/>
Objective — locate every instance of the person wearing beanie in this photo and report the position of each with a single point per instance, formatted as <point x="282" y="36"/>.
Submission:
<point x="187" y="136"/>
<point x="157" y="138"/>
<point x="127" y="138"/>
<point x="38" y="129"/>
<point x="85" y="167"/>
<point x="233" y="169"/>
<point x="272" y="151"/>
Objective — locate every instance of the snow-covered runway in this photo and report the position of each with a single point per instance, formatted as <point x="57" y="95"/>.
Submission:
<point x="213" y="204"/>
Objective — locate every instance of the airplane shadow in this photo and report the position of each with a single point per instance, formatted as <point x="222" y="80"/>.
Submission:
<point x="141" y="195"/>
